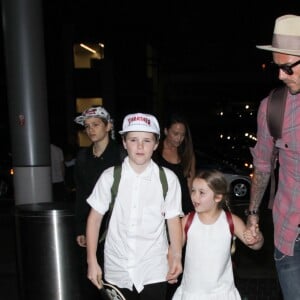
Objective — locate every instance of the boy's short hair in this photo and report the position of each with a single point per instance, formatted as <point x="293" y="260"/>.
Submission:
<point x="140" y="122"/>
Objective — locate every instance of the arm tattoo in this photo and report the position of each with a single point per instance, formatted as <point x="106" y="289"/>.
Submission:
<point x="259" y="184"/>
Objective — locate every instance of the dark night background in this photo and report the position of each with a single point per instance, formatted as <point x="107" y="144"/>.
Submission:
<point x="204" y="57"/>
<point x="204" y="62"/>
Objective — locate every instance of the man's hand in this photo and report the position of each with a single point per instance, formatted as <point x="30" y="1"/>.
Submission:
<point x="252" y="224"/>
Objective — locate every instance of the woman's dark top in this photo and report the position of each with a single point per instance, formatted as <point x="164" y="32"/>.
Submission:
<point x="186" y="201"/>
<point x="88" y="169"/>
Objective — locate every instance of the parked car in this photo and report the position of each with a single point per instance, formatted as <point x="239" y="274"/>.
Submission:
<point x="239" y="180"/>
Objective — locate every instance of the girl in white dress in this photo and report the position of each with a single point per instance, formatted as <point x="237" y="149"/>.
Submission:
<point x="208" y="273"/>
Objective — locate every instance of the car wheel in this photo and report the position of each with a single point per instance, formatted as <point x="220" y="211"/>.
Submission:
<point x="240" y="189"/>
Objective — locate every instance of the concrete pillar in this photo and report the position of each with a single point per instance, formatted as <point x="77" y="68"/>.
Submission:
<point x="27" y="99"/>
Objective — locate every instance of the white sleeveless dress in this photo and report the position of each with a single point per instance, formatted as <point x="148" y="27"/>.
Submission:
<point x="208" y="273"/>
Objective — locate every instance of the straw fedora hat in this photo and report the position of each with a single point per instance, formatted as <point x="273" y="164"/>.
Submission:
<point x="286" y="36"/>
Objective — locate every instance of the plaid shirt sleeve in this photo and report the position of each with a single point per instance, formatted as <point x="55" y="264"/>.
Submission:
<point x="286" y="208"/>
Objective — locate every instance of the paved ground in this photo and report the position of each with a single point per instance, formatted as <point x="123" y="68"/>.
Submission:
<point x="254" y="270"/>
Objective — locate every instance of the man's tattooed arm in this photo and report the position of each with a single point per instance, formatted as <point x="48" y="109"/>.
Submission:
<point x="259" y="184"/>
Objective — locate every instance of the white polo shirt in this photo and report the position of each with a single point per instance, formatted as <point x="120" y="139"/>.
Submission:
<point x="136" y="243"/>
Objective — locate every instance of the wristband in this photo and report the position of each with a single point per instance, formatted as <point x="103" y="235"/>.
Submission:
<point x="251" y="212"/>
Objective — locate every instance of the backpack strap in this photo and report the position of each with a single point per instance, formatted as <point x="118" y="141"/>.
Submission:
<point x="164" y="184"/>
<point x="163" y="180"/>
<point x="230" y="222"/>
<point x="191" y="216"/>
<point x="188" y="222"/>
<point x="275" y="114"/>
<point x="117" y="178"/>
<point x="114" y="192"/>
<point x="275" y="111"/>
<point x="231" y="227"/>
<point x="115" y="186"/>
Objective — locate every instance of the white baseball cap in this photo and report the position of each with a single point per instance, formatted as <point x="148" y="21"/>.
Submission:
<point x="140" y="122"/>
<point x="96" y="112"/>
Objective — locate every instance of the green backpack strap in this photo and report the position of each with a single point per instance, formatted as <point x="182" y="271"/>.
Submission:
<point x="117" y="178"/>
<point x="115" y="186"/>
<point x="114" y="191"/>
<point x="163" y="180"/>
<point x="164" y="184"/>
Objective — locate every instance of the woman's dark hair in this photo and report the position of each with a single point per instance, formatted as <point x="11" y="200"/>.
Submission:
<point x="186" y="149"/>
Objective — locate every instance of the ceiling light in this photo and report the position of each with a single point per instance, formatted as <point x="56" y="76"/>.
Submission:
<point x="88" y="48"/>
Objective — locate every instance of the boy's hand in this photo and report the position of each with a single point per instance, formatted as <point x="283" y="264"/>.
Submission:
<point x="95" y="275"/>
<point x="175" y="268"/>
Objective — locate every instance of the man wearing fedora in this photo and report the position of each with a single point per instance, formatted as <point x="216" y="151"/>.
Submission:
<point x="286" y="208"/>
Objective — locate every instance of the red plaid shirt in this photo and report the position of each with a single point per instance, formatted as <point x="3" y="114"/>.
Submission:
<point x="286" y="209"/>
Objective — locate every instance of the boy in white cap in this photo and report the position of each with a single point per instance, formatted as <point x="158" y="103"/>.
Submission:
<point x="136" y="248"/>
<point x="286" y="208"/>
<point x="91" y="161"/>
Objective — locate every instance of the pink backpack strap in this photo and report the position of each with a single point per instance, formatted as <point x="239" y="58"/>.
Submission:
<point x="188" y="222"/>
<point x="230" y="222"/>
<point x="191" y="216"/>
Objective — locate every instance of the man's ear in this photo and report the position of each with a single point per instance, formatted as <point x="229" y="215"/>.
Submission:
<point x="166" y="131"/>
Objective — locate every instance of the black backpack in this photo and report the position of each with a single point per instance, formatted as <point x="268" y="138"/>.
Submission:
<point x="275" y="115"/>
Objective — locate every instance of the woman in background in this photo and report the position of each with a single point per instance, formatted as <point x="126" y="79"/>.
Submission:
<point x="176" y="152"/>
